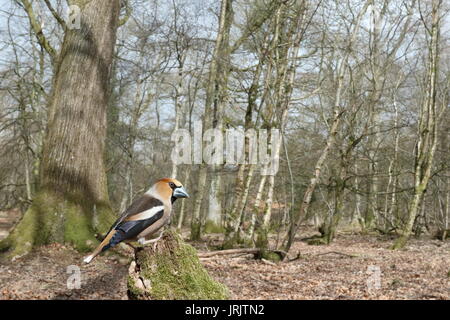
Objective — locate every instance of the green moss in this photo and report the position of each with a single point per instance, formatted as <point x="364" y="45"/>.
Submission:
<point x="400" y="243"/>
<point x="24" y="235"/>
<point x="211" y="227"/>
<point x="196" y="231"/>
<point x="133" y="290"/>
<point x="270" y="255"/>
<point x="317" y="241"/>
<point x="104" y="218"/>
<point x="5" y="244"/>
<point x="78" y="229"/>
<point x="235" y="241"/>
<point x="173" y="271"/>
<point x="262" y="240"/>
<point x="57" y="218"/>
<point x="230" y="243"/>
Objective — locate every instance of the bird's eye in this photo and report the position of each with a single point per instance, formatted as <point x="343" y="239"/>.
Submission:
<point x="172" y="185"/>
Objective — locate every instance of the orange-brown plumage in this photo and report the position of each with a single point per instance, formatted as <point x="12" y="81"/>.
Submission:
<point x="162" y="187"/>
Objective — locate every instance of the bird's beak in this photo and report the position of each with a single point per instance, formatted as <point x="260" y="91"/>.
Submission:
<point x="180" y="192"/>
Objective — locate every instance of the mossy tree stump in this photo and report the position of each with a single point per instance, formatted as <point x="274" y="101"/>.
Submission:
<point x="171" y="270"/>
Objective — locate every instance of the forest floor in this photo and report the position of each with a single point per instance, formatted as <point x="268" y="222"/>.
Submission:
<point x="353" y="267"/>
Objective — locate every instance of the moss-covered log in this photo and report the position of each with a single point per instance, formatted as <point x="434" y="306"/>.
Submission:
<point x="171" y="270"/>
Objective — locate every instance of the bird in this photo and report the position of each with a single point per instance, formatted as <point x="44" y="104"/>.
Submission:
<point x="145" y="216"/>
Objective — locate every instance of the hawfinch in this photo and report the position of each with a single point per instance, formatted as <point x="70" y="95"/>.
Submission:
<point x="146" y="215"/>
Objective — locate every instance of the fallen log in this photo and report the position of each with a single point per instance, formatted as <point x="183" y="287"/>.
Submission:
<point x="227" y="252"/>
<point x="272" y="255"/>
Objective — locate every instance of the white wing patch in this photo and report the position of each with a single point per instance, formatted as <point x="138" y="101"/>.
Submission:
<point x="147" y="213"/>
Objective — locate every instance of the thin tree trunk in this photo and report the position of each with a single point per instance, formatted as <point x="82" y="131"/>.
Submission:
<point x="427" y="135"/>
<point x="178" y="105"/>
<point x="337" y="114"/>
<point x="214" y="106"/>
<point x="183" y="202"/>
<point x="196" y="223"/>
<point x="256" y="207"/>
<point x="219" y="98"/>
<point x="243" y="184"/>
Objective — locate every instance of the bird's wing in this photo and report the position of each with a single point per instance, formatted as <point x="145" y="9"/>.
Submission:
<point x="131" y="229"/>
<point x="139" y="209"/>
<point x="142" y="213"/>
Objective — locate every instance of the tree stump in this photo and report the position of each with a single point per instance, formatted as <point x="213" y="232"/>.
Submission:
<point x="170" y="270"/>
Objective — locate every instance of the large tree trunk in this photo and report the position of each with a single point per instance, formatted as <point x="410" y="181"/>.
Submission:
<point x="73" y="202"/>
<point x="171" y="270"/>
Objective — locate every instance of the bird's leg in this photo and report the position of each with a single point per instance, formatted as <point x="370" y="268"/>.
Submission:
<point x="144" y="242"/>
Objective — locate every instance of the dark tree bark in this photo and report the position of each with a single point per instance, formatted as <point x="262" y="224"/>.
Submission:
<point x="72" y="202"/>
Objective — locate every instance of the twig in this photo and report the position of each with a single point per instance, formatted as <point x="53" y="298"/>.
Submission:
<point x="336" y="252"/>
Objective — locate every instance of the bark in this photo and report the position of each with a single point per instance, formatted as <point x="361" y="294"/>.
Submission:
<point x="428" y="125"/>
<point x="72" y="203"/>
<point x="307" y="196"/>
<point x="379" y="68"/>
<point x="213" y="219"/>
<point x="329" y="227"/>
<point x="257" y="207"/>
<point x="390" y="206"/>
<point x="241" y="207"/>
<point x="37" y="29"/>
<point x="219" y="96"/>
<point x="286" y="67"/>
<point x="196" y="223"/>
<point x="335" y="124"/>
<point x="177" y="98"/>
<point x="356" y="217"/>
<point x="138" y="109"/>
<point x="183" y="202"/>
<point x="171" y="270"/>
<point x="233" y="219"/>
<point x="214" y="104"/>
<point x="242" y="187"/>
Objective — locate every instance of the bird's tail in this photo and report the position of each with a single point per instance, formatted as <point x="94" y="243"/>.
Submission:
<point x="101" y="247"/>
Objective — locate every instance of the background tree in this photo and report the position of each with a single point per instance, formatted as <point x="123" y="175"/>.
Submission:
<point x="430" y="114"/>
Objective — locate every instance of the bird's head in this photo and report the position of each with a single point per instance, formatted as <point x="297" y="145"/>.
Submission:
<point x="170" y="189"/>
